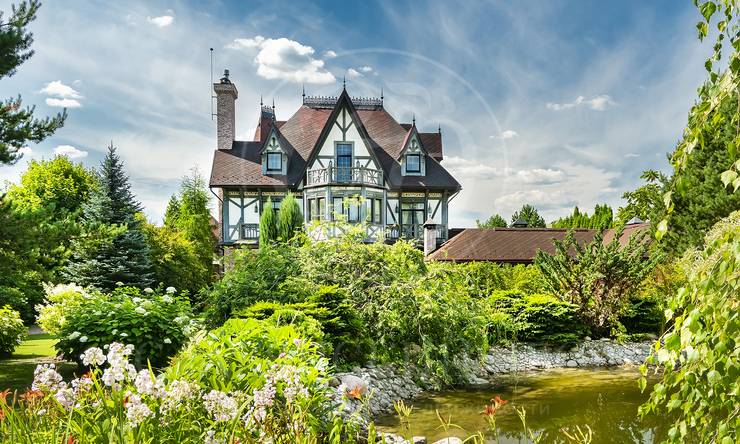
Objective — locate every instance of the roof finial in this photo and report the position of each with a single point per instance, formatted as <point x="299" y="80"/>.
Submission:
<point x="439" y="128"/>
<point x="261" y="104"/>
<point x="273" y="109"/>
<point x="413" y="119"/>
<point x="344" y="82"/>
<point x="303" y="94"/>
<point x="381" y="92"/>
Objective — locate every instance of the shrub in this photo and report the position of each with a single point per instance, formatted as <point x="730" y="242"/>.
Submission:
<point x="598" y="277"/>
<point x="157" y="325"/>
<point x="644" y="314"/>
<point x="60" y="301"/>
<point x="289" y="218"/>
<point x="256" y="275"/>
<point x="12" y="330"/>
<point x="341" y="331"/>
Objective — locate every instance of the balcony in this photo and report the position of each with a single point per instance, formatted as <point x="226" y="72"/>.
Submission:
<point x="409" y="232"/>
<point x="344" y="175"/>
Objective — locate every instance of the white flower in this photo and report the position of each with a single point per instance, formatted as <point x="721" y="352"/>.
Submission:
<point x="83" y="338"/>
<point x="137" y="411"/>
<point x="211" y="438"/>
<point x="119" y="284"/>
<point x="179" y="391"/>
<point x="266" y="396"/>
<point x="167" y="299"/>
<point x="124" y="335"/>
<point x="74" y="335"/>
<point x="170" y="290"/>
<point x="167" y="341"/>
<point x="41" y="412"/>
<point x="114" y="331"/>
<point x="66" y="397"/>
<point x="93" y="356"/>
<point x="148" y="290"/>
<point x="220" y="405"/>
<point x="46" y="379"/>
<point x="147" y="385"/>
<point x="140" y="310"/>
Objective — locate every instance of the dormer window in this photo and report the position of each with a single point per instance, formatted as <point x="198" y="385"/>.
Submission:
<point x="413" y="163"/>
<point x="274" y="162"/>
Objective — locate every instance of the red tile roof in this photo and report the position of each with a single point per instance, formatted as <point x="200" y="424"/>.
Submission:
<point x="515" y="245"/>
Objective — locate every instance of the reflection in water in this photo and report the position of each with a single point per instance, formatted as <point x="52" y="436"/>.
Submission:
<point x="604" y="399"/>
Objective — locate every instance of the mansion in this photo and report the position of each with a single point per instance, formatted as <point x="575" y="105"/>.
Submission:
<point x="344" y="158"/>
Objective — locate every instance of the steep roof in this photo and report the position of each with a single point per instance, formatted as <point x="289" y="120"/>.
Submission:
<point x="241" y="165"/>
<point x="516" y="245"/>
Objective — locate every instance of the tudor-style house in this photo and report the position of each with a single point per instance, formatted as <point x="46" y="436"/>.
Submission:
<point x="342" y="157"/>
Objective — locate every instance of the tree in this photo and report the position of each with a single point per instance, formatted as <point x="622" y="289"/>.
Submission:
<point x="598" y="277"/>
<point x="188" y="213"/>
<point x="290" y="218"/>
<point x="17" y="124"/>
<point x="124" y="258"/>
<point x="602" y="218"/>
<point x="495" y="221"/>
<point x="268" y="224"/>
<point x="529" y="214"/>
<point x="645" y="202"/>
<point x="698" y="357"/>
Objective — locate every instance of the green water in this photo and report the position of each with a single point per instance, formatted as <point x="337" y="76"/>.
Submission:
<point x="604" y="399"/>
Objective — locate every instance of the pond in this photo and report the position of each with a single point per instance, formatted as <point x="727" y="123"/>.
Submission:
<point x="604" y="399"/>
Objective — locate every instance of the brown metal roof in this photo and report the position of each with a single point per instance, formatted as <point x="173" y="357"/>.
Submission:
<point x="515" y="245"/>
<point x="241" y="165"/>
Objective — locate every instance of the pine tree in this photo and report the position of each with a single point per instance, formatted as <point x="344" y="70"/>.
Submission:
<point x="172" y="212"/>
<point x="17" y="124"/>
<point x="268" y="224"/>
<point x="529" y="214"/>
<point x="290" y="218"/>
<point x="124" y="258"/>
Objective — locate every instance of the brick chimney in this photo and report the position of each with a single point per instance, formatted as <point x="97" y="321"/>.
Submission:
<point x="430" y="237"/>
<point x="226" y="95"/>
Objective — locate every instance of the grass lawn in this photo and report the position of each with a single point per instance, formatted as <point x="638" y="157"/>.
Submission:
<point x="16" y="372"/>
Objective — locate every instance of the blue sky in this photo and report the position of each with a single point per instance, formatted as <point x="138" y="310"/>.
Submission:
<point x="555" y="103"/>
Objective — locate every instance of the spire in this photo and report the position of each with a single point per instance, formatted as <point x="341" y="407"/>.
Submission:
<point x="273" y="109"/>
<point x="413" y="120"/>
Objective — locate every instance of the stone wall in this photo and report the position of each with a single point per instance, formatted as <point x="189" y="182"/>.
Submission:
<point x="389" y="383"/>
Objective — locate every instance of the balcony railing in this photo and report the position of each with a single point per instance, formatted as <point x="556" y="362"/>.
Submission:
<point x="395" y="232"/>
<point x="250" y="231"/>
<point x="344" y="175"/>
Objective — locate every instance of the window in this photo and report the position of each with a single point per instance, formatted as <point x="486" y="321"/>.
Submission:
<point x="377" y="207"/>
<point x="353" y="212"/>
<point x="338" y="208"/>
<point x="413" y="163"/>
<point x="344" y="162"/>
<point x="274" y="161"/>
<point x="313" y="209"/>
<point x="322" y="208"/>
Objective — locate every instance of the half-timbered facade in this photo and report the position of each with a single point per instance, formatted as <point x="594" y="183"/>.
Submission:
<point x="344" y="158"/>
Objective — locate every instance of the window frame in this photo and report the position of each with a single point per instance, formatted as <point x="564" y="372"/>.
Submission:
<point x="418" y="165"/>
<point x="267" y="162"/>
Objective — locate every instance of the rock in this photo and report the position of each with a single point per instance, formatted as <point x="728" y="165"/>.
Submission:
<point x="334" y="382"/>
<point x="450" y="440"/>
<point x="587" y="338"/>
<point x="419" y="440"/>
<point x="571" y="363"/>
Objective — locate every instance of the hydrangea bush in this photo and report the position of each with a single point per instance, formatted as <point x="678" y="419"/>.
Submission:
<point x="60" y="300"/>
<point x="282" y="398"/>
<point x="157" y="323"/>
<point x="12" y="330"/>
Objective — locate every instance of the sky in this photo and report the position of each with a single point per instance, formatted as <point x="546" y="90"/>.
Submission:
<point x="555" y="104"/>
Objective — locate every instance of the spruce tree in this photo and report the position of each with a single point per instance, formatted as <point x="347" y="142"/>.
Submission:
<point x="290" y="218"/>
<point x="17" y="123"/>
<point x="172" y="213"/>
<point x="268" y="224"/>
<point x="123" y="258"/>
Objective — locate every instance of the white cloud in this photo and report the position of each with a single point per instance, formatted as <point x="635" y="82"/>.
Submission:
<point x="161" y="21"/>
<point x="505" y="135"/>
<point x="631" y="155"/>
<point x="329" y="54"/>
<point x="69" y="151"/>
<point x="353" y="73"/>
<point x="366" y="68"/>
<point x="286" y="60"/>
<point x="460" y="167"/>
<point x="541" y="199"/>
<point x="596" y="103"/>
<point x="63" y="103"/>
<point x="25" y="150"/>
<point x="541" y="176"/>
<point x="58" y="89"/>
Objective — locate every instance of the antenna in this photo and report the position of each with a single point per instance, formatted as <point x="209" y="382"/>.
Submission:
<point x="210" y="87"/>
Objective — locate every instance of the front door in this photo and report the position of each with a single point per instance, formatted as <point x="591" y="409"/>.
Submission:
<point x="412" y="218"/>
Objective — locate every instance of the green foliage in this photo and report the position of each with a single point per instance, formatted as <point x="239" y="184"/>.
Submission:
<point x="59" y="303"/>
<point x="188" y="214"/>
<point x="157" y="325"/>
<point x="175" y="258"/>
<point x="12" y="330"/>
<point x="602" y="219"/>
<point x="255" y="275"/>
<point x="495" y="221"/>
<point x="529" y="214"/>
<point x="123" y="258"/>
<point x="324" y="314"/>
<point x="645" y="202"/>
<point x="17" y="124"/>
<point x="289" y="218"/>
<point x="598" y="277"/>
<point x="644" y="314"/>
<point x="268" y="225"/>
